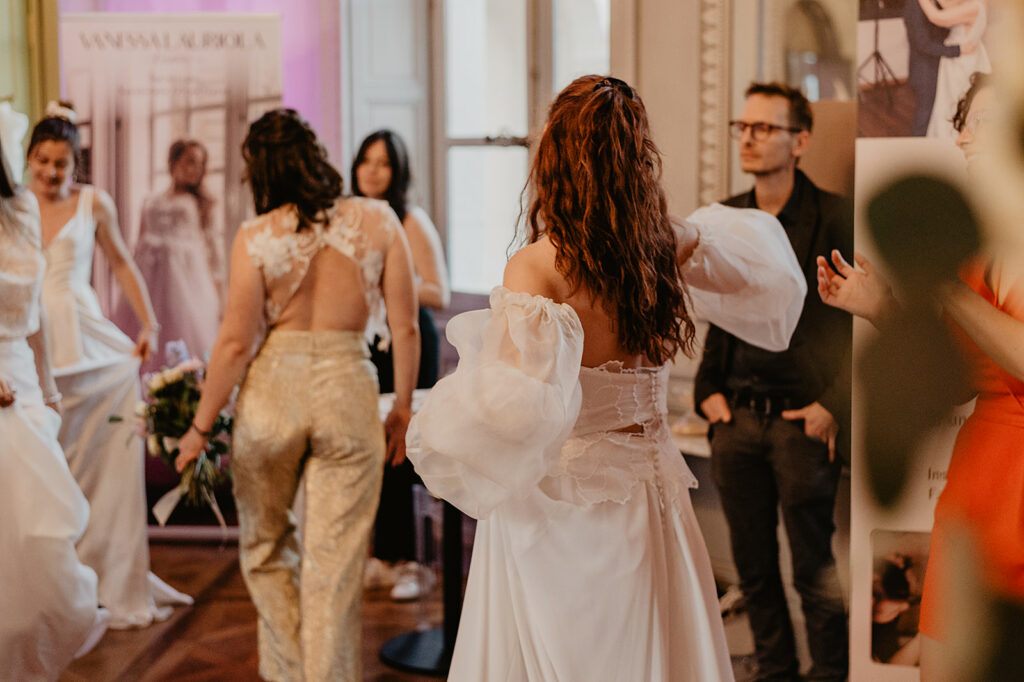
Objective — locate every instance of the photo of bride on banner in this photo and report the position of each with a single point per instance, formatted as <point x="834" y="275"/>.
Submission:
<point x="160" y="132"/>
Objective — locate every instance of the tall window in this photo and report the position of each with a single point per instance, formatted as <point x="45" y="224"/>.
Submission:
<point x="502" y="62"/>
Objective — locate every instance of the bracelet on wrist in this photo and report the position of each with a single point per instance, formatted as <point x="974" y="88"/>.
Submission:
<point x="153" y="326"/>
<point x="204" y="434"/>
<point x="54" y="397"/>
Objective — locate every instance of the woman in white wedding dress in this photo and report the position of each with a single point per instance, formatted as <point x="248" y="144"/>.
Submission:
<point x="588" y="562"/>
<point x="967" y="21"/>
<point x="47" y="596"/>
<point x="97" y="370"/>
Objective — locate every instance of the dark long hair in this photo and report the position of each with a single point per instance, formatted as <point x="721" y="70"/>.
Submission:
<point x="203" y="198"/>
<point x="597" y="195"/>
<point x="978" y="81"/>
<point x="57" y="129"/>
<point x="398" y="159"/>
<point x="286" y="164"/>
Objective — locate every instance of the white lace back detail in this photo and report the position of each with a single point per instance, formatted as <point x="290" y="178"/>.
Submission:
<point x="600" y="462"/>
<point x="361" y="229"/>
<point x="21" y="271"/>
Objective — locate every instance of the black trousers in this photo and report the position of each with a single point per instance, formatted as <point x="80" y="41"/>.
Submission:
<point x="394" y="534"/>
<point x="761" y="462"/>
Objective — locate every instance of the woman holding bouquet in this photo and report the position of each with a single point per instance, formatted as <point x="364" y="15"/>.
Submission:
<point x="324" y="274"/>
<point x="97" y="369"/>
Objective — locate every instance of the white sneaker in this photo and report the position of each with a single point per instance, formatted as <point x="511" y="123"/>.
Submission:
<point x="378" y="574"/>
<point x="413" y="582"/>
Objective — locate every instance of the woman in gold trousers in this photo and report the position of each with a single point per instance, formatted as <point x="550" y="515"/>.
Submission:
<point x="322" y="274"/>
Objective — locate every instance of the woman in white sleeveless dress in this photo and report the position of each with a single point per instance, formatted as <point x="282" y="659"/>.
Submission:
<point x="588" y="563"/>
<point x="96" y="367"/>
<point x="47" y="596"/>
<point x="967" y="20"/>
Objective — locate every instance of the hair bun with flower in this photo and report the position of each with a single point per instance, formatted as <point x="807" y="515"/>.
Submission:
<point x="59" y="110"/>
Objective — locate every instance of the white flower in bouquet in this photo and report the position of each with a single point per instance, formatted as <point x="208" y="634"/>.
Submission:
<point x="188" y="366"/>
<point x="153" y="443"/>
<point x="141" y="408"/>
<point x="173" y="375"/>
<point x="157" y="382"/>
<point x="170" y="444"/>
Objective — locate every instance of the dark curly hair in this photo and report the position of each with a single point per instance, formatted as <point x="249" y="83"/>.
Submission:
<point x="597" y="195"/>
<point x="286" y="164"/>
<point x="398" y="159"/>
<point x="979" y="80"/>
<point x="57" y="129"/>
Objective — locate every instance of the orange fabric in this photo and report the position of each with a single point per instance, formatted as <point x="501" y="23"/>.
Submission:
<point x="985" y="482"/>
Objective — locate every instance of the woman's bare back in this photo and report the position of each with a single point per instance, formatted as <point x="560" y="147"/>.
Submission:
<point x="532" y="269"/>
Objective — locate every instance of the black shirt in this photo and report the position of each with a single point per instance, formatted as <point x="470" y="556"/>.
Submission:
<point x="816" y="366"/>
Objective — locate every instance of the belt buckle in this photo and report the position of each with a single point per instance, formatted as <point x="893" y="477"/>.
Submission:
<point x="761" y="405"/>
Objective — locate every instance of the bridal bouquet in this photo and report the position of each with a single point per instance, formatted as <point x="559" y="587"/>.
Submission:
<point x="171" y="398"/>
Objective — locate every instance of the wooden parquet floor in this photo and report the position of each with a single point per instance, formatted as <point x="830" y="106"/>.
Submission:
<point x="215" y="639"/>
<point x="885" y="111"/>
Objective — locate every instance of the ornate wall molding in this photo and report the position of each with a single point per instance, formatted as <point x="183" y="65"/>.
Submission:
<point x="715" y="48"/>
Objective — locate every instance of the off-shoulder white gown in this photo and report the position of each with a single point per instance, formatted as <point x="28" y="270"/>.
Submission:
<point x="588" y="563"/>
<point x="48" y="606"/>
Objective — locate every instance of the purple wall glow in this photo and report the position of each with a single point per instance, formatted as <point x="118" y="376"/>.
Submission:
<point x="310" y="34"/>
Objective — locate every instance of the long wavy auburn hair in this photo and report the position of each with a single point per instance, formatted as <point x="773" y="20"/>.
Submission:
<point x="596" y="187"/>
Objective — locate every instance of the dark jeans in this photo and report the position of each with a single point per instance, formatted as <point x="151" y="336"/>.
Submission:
<point x="760" y="462"/>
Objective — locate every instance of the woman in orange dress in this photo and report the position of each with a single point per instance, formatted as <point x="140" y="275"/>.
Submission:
<point x="983" y="499"/>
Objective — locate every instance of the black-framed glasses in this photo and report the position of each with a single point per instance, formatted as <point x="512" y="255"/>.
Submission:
<point x="759" y="131"/>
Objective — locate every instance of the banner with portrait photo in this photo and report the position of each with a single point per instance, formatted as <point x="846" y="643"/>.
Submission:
<point x="889" y="545"/>
<point x="163" y="103"/>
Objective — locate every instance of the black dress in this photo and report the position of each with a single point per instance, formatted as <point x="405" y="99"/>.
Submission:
<point x="394" y="533"/>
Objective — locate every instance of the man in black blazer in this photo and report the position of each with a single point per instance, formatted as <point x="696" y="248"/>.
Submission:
<point x="926" y="48"/>
<point x="776" y="417"/>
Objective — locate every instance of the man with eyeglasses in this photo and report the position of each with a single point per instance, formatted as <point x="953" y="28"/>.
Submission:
<point x="775" y="417"/>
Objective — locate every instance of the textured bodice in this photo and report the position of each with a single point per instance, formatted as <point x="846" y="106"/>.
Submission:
<point x="358" y="228"/>
<point x="620" y="439"/>
<point x="69" y="254"/>
<point x="616" y="398"/>
<point x="21" y="271"/>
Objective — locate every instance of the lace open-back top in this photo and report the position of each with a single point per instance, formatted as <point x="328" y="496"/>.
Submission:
<point x="359" y="228"/>
<point x="21" y="270"/>
<point x="521" y="419"/>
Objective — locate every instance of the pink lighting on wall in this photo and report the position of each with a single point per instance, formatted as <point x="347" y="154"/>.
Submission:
<point x="310" y="50"/>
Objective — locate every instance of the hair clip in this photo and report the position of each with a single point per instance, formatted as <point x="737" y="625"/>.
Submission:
<point x="611" y="82"/>
<point x="55" y="109"/>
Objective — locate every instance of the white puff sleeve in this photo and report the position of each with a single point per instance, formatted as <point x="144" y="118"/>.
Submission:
<point x="493" y="428"/>
<point x="744" y="277"/>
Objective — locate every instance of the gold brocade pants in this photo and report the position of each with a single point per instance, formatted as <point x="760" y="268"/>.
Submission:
<point x="308" y="405"/>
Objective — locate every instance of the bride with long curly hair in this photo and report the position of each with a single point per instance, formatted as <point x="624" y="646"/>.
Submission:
<point x="588" y="562"/>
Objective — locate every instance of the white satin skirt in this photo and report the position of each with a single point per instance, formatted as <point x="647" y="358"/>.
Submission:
<point x="48" y="601"/>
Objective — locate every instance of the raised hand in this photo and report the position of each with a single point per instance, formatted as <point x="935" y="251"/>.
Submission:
<point x="862" y="292"/>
